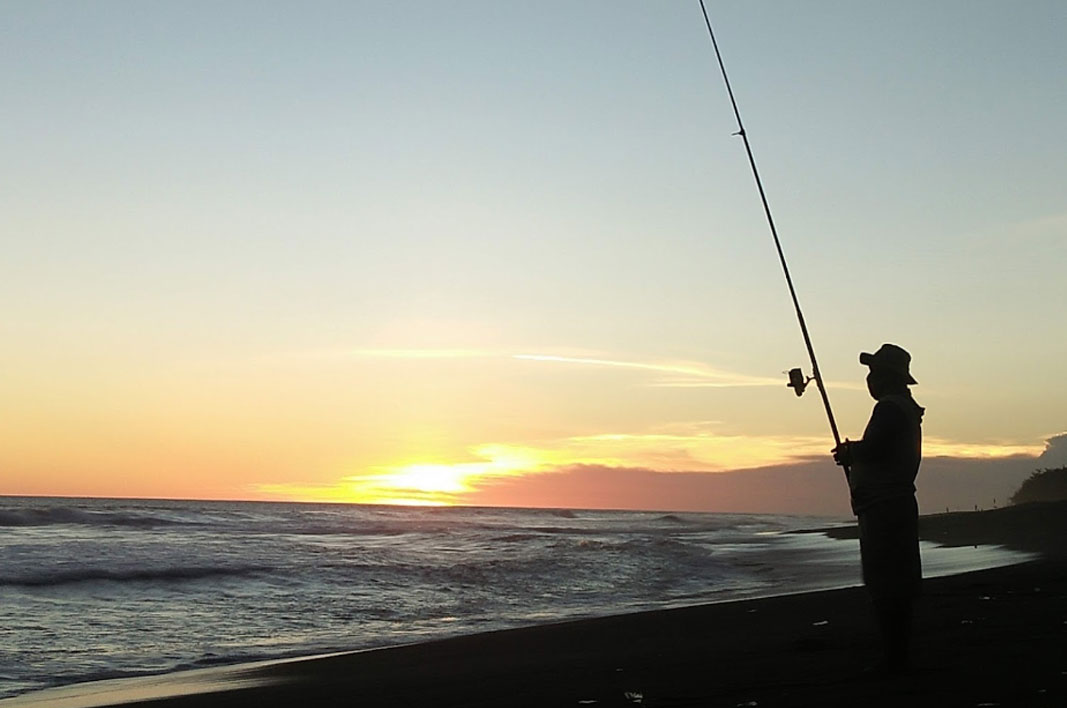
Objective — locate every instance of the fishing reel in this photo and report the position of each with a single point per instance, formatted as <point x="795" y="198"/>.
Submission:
<point x="798" y="382"/>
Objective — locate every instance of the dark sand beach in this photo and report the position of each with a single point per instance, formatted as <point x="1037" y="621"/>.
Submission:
<point x="989" y="638"/>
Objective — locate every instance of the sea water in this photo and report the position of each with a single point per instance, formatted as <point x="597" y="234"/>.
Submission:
<point x="98" y="588"/>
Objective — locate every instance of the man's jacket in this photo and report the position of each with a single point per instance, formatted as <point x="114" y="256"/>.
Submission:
<point x="885" y="463"/>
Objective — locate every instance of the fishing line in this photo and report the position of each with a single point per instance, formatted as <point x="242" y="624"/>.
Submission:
<point x="796" y="378"/>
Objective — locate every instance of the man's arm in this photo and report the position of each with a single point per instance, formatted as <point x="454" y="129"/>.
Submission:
<point x="886" y="426"/>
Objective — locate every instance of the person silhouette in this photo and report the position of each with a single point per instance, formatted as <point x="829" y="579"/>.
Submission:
<point x="882" y="468"/>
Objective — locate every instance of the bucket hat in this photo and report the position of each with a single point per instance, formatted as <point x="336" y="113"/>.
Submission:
<point x="890" y="356"/>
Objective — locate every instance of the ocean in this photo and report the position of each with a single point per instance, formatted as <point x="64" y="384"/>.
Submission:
<point x="102" y="588"/>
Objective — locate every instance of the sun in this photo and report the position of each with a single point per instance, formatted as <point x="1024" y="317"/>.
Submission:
<point x="428" y="478"/>
<point x="443" y="484"/>
<point x="422" y="482"/>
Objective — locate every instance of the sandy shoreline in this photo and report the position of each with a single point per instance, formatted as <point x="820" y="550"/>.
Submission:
<point x="993" y="637"/>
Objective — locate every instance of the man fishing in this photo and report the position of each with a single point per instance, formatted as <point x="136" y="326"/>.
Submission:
<point x="882" y="470"/>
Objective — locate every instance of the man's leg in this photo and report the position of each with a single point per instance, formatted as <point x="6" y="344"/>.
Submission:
<point x="895" y="616"/>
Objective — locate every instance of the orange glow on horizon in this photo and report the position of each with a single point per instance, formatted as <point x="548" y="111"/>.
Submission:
<point x="425" y="483"/>
<point x="419" y="483"/>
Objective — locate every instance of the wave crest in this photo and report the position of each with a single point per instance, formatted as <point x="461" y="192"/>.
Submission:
<point x="65" y="515"/>
<point x="127" y="575"/>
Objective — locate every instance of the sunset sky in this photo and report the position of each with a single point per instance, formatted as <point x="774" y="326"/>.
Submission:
<point x="510" y="253"/>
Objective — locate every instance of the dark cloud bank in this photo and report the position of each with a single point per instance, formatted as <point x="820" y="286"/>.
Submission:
<point x="814" y="486"/>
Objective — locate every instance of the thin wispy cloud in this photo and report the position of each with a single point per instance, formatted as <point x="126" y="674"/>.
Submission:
<point x="342" y="354"/>
<point x="681" y="374"/>
<point x="666" y="374"/>
<point x="669" y="373"/>
<point x="430" y="353"/>
<point x="942" y="447"/>
<point x="675" y="373"/>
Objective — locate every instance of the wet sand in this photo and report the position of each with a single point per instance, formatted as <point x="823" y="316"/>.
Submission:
<point x="989" y="638"/>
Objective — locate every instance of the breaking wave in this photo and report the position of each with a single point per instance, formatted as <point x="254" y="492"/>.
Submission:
<point x="142" y="575"/>
<point x="65" y="515"/>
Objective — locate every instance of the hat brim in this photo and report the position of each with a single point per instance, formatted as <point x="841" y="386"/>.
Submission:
<point x="867" y="359"/>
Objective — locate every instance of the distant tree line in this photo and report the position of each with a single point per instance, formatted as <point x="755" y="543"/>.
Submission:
<point x="1043" y="485"/>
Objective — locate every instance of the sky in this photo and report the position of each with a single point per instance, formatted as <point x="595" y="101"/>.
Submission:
<point x="511" y="253"/>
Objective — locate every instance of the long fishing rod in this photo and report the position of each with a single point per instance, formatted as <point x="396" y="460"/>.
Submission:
<point x="796" y="378"/>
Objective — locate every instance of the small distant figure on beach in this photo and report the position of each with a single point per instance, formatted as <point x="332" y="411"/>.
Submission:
<point x="881" y="476"/>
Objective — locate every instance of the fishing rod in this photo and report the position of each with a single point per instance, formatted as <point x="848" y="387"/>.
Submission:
<point x="796" y="377"/>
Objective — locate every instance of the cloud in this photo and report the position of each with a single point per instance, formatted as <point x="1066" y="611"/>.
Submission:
<point x="679" y="451"/>
<point x="1055" y="453"/>
<point x="344" y="354"/>
<point x="810" y="487"/>
<point x="675" y="374"/>
<point x="804" y="488"/>
<point x="1050" y="228"/>
<point x="683" y="467"/>
<point x="944" y="447"/>
<point x="666" y="374"/>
